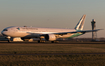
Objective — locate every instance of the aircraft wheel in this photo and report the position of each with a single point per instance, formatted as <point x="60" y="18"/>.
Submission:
<point x="9" y="40"/>
<point x="38" y="41"/>
<point x="41" y="41"/>
<point x="54" y="41"/>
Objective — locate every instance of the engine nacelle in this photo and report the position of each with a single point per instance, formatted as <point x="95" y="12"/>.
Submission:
<point x="25" y="39"/>
<point x="50" y="37"/>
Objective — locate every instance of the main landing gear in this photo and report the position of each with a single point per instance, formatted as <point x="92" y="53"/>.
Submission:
<point x="41" y="41"/>
<point x="54" y="41"/>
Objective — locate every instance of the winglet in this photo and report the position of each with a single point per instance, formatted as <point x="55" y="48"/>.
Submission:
<point x="80" y="24"/>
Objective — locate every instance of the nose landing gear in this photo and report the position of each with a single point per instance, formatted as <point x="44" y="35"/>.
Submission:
<point x="9" y="39"/>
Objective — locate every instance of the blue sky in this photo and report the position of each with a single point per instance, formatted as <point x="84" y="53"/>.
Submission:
<point x="52" y="13"/>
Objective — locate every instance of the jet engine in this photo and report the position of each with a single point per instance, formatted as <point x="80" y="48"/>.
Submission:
<point x="25" y="39"/>
<point x="50" y="37"/>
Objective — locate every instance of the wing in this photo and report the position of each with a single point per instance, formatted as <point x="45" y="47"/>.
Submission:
<point x="78" y="32"/>
<point x="63" y="33"/>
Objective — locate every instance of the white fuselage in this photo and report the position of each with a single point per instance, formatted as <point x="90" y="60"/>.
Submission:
<point x="33" y="31"/>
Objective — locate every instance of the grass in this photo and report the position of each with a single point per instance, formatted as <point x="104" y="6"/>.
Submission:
<point x="51" y="60"/>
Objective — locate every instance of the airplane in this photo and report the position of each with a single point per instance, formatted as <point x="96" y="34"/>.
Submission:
<point x="49" y="34"/>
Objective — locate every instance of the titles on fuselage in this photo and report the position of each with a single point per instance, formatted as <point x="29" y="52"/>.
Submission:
<point x="29" y="28"/>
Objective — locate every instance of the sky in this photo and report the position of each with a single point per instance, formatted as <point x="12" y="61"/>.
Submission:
<point x="53" y="14"/>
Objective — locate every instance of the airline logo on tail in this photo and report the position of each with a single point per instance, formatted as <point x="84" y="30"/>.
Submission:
<point x="80" y="24"/>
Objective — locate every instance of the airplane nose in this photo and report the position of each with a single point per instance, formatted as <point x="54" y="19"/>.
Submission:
<point x="3" y="33"/>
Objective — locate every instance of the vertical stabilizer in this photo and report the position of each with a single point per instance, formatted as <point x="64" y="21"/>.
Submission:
<point x="80" y="24"/>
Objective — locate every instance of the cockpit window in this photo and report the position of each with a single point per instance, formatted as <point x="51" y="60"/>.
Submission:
<point x="5" y="30"/>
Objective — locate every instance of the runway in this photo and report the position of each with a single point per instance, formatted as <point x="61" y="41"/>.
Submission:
<point x="48" y="42"/>
<point x="60" y="48"/>
<point x="59" y="54"/>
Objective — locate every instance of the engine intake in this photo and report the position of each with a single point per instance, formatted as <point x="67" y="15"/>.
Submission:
<point x="50" y="37"/>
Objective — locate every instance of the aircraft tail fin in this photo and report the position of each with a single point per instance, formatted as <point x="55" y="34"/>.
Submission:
<point x="80" y="24"/>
